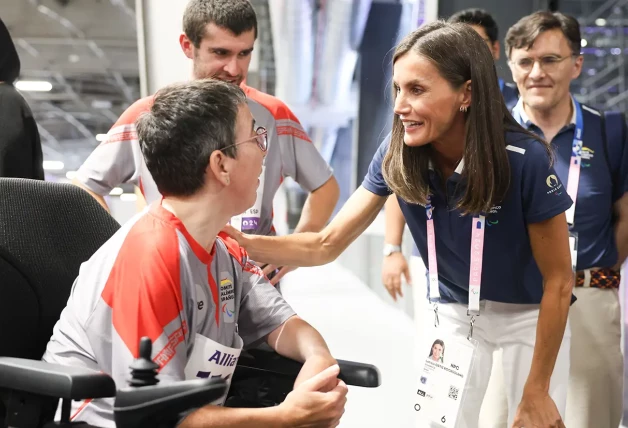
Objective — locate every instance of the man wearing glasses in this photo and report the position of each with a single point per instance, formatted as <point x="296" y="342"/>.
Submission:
<point x="165" y="275"/>
<point x="592" y="159"/>
<point x="218" y="36"/>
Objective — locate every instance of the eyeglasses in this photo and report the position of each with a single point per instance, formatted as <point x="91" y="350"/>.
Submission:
<point x="548" y="63"/>
<point x="261" y="140"/>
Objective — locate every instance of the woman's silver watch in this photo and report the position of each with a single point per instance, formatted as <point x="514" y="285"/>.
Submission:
<point x="389" y="249"/>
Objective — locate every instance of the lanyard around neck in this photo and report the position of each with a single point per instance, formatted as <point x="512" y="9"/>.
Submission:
<point x="573" y="179"/>
<point x="475" y="272"/>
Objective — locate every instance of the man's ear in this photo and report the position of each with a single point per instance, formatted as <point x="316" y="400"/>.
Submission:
<point x="496" y="50"/>
<point x="186" y="46"/>
<point x="220" y="167"/>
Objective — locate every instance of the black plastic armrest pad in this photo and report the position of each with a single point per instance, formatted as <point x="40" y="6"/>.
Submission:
<point x="359" y="374"/>
<point x="352" y="373"/>
<point x="54" y="380"/>
<point x="149" y="405"/>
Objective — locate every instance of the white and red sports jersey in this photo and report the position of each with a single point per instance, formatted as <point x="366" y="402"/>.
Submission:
<point x="291" y="153"/>
<point x="153" y="279"/>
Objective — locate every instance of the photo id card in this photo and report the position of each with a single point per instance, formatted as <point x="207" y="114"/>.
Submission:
<point x="442" y="381"/>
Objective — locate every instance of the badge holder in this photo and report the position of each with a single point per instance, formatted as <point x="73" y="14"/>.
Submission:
<point x="249" y="221"/>
<point x="444" y="378"/>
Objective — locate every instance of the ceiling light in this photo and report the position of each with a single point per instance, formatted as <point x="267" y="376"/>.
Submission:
<point x="600" y="22"/>
<point x="53" y="165"/>
<point x="33" y="85"/>
<point x="128" y="197"/>
<point x="70" y="175"/>
<point x="116" y="191"/>
<point x="101" y="137"/>
<point x="583" y="43"/>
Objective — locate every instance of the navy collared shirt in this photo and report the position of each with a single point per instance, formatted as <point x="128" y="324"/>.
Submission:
<point x="593" y="219"/>
<point x="511" y="96"/>
<point x="509" y="271"/>
<point x="510" y="93"/>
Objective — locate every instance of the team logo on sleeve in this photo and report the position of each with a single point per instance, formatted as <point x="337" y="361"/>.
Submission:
<point x="227" y="297"/>
<point x="554" y="185"/>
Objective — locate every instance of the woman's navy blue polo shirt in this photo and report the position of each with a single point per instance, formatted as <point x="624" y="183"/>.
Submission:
<point x="509" y="272"/>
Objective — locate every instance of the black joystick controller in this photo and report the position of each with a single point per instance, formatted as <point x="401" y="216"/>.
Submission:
<point x="143" y="369"/>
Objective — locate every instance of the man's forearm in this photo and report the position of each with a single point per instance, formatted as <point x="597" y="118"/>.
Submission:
<point x="223" y="417"/>
<point x="549" y="335"/>
<point x="318" y="207"/>
<point x="99" y="199"/>
<point x="621" y="229"/>
<point x="621" y="239"/>
<point x="395" y="222"/>
<point x="298" y="340"/>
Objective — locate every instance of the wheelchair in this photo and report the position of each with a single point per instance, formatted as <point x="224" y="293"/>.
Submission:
<point x="46" y="231"/>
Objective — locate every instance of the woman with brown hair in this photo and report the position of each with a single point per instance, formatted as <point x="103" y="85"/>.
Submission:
<point x="486" y="211"/>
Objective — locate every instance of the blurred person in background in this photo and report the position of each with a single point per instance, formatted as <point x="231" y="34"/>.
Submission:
<point x="20" y="145"/>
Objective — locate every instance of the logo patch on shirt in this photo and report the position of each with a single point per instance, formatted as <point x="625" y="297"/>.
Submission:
<point x="554" y="185"/>
<point x="491" y="220"/>
<point x="586" y="156"/>
<point x="227" y="298"/>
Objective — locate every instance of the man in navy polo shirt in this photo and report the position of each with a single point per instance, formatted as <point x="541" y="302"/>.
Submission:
<point x="592" y="162"/>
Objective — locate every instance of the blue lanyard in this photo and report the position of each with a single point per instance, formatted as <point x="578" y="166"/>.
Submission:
<point x="501" y="85"/>
<point x="573" y="179"/>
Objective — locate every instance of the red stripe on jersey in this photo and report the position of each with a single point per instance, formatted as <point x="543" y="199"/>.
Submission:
<point x="143" y="289"/>
<point x="80" y="409"/>
<point x="214" y="289"/>
<point x="129" y="117"/>
<point x="233" y="247"/>
<point x="134" y="111"/>
<point x="291" y="130"/>
<point x="277" y="108"/>
<point x="164" y="356"/>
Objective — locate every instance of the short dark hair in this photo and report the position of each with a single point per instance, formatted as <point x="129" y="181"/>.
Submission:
<point x="237" y="16"/>
<point x="460" y="55"/>
<point x="527" y="29"/>
<point x="186" y="123"/>
<point x="475" y="16"/>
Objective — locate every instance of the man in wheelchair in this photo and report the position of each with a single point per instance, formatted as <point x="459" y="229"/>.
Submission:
<point x="169" y="276"/>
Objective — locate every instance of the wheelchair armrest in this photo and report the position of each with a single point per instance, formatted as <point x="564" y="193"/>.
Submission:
<point x="53" y="380"/>
<point x="164" y="405"/>
<point x="352" y="373"/>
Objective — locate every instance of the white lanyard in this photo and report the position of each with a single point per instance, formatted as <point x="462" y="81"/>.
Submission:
<point x="475" y="272"/>
<point x="573" y="179"/>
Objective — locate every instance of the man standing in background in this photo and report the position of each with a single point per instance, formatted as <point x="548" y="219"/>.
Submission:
<point x="218" y="36"/>
<point x="591" y="157"/>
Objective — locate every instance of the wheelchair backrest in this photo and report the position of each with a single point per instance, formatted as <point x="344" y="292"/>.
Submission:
<point x="46" y="231"/>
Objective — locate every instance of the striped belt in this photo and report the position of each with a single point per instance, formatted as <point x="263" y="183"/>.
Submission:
<point x="598" y="278"/>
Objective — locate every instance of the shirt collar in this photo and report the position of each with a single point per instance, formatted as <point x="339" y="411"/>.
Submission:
<point x="519" y="110"/>
<point x="458" y="169"/>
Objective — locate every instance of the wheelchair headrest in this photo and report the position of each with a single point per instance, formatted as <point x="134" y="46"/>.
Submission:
<point x="46" y="231"/>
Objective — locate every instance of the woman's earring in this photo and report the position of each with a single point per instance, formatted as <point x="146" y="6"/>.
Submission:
<point x="228" y="180"/>
<point x="463" y="109"/>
